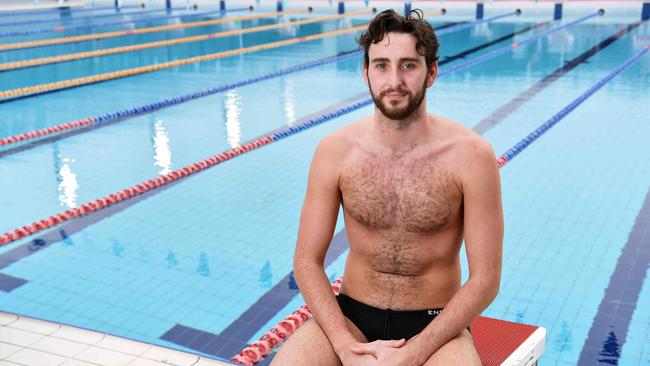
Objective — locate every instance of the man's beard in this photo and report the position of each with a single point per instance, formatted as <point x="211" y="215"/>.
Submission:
<point x="399" y="114"/>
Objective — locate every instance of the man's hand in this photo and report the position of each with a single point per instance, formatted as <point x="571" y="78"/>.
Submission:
<point x="386" y="353"/>
<point x="349" y="356"/>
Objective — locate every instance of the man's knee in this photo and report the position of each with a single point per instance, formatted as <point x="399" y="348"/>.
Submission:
<point x="307" y="344"/>
<point x="458" y="351"/>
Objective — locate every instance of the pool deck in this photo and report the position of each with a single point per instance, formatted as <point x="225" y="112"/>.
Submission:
<point x="29" y="342"/>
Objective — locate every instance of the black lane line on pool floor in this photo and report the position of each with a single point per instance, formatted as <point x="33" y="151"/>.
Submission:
<point x="507" y="109"/>
<point x="10" y="283"/>
<point x="606" y="337"/>
<point x="61" y="234"/>
<point x="236" y="336"/>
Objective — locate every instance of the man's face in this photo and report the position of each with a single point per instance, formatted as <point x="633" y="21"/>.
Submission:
<point x="397" y="75"/>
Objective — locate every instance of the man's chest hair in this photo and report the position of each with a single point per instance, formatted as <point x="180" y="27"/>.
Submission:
<point x="410" y="194"/>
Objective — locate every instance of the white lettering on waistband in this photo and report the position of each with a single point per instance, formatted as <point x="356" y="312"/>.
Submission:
<point x="435" y="312"/>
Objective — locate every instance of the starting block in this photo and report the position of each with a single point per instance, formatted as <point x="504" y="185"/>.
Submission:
<point x="504" y="343"/>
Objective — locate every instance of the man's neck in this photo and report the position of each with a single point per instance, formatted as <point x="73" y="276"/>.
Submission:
<point x="402" y="136"/>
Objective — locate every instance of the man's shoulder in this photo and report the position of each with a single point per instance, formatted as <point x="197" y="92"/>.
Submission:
<point x="341" y="141"/>
<point x="463" y="139"/>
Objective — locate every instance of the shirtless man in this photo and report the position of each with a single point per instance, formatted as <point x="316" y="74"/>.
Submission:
<point x="412" y="186"/>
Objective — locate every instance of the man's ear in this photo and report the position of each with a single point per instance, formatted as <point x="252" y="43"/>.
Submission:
<point x="365" y="73"/>
<point x="432" y="74"/>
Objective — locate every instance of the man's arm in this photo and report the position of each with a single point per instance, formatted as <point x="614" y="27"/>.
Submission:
<point x="483" y="233"/>
<point x="317" y="223"/>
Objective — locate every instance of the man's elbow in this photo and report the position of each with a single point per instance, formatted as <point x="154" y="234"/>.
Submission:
<point x="306" y="264"/>
<point x="489" y="287"/>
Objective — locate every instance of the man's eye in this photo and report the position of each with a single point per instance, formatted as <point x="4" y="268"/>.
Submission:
<point x="409" y="66"/>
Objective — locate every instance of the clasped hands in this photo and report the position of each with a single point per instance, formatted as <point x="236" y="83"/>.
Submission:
<point x="379" y="353"/>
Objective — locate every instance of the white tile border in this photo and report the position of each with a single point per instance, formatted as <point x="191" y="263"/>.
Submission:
<point x="26" y="339"/>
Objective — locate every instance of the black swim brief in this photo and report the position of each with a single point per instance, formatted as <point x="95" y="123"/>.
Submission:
<point x="385" y="324"/>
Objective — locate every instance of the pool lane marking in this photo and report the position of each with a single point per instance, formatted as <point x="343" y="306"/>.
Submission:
<point x="194" y="168"/>
<point x="612" y="321"/>
<point x="9" y="283"/>
<point x="500" y="51"/>
<point x="121" y="22"/>
<point x="169" y="42"/>
<point x="89" y="17"/>
<point x="56" y="10"/>
<point x="460" y="55"/>
<point x="95" y="36"/>
<point x="236" y="336"/>
<point x="478" y="21"/>
<point x="75" y="127"/>
<point x="505" y="110"/>
<point x="243" y="322"/>
<point x="64" y="235"/>
<point x="176" y="175"/>
<point x="526" y="141"/>
<point x="148" y="108"/>
<point x="86" y="80"/>
<point x="259" y="349"/>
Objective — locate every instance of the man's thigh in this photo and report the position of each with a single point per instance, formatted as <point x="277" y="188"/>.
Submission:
<point x="309" y="345"/>
<point x="458" y="351"/>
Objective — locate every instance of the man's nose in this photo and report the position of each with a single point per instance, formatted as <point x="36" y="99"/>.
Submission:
<point x="394" y="77"/>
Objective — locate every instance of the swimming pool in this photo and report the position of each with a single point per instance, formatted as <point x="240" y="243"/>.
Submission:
<point x="209" y="257"/>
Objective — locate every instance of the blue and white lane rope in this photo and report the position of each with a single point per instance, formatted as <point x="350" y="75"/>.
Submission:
<point x="219" y="89"/>
<point x="524" y="143"/>
<point x="476" y="22"/>
<point x="499" y="51"/>
<point x="56" y="10"/>
<point x="61" y="29"/>
<point x="89" y="17"/>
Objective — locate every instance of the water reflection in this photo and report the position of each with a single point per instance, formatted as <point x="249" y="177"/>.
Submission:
<point x="68" y="184"/>
<point x="481" y="30"/>
<point x="611" y="351"/>
<point x="289" y="30"/>
<point x="288" y="97"/>
<point x="232" y="108"/>
<point x="266" y="275"/>
<point x="172" y="262"/>
<point x="162" y="152"/>
<point x="204" y="267"/>
<point x="563" y="340"/>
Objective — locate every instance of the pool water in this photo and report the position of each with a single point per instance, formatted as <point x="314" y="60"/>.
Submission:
<point x="205" y="251"/>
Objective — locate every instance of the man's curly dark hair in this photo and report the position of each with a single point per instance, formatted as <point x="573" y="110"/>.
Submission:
<point x="413" y="23"/>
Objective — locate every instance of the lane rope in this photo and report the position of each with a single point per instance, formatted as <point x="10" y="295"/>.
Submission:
<point x="147" y="108"/>
<point x="89" y="17"/>
<point x="43" y="88"/>
<point x="278" y="334"/>
<point x="95" y="36"/>
<point x="153" y="183"/>
<point x="458" y="27"/>
<point x="170" y="42"/>
<point x="169" y="102"/>
<point x="54" y="10"/>
<point x="121" y="22"/>
<point x="526" y="141"/>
